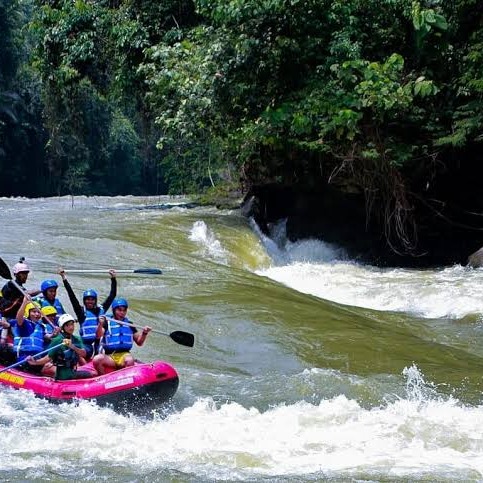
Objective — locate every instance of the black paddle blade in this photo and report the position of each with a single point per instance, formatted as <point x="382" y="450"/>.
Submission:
<point x="150" y="271"/>
<point x="183" y="338"/>
<point x="4" y="270"/>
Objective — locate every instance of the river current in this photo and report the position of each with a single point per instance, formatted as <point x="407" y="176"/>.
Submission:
<point x="307" y="365"/>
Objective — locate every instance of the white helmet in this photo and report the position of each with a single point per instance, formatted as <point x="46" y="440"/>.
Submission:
<point x="20" y="267"/>
<point x="63" y="319"/>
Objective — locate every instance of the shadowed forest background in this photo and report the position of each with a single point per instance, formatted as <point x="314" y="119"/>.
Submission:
<point x="376" y="102"/>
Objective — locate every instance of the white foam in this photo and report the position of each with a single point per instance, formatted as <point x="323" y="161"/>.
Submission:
<point x="324" y="270"/>
<point x="408" y="436"/>
<point x="207" y="241"/>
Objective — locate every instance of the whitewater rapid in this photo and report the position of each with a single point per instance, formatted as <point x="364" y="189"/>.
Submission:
<point x="420" y="433"/>
<point x="325" y="271"/>
<point x="279" y="386"/>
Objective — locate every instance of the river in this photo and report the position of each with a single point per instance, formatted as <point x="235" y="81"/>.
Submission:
<point x="307" y="365"/>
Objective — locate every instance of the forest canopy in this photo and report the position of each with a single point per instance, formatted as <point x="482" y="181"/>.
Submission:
<point x="377" y="97"/>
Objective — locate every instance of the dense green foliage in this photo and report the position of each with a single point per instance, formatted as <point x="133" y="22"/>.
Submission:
<point x="380" y="97"/>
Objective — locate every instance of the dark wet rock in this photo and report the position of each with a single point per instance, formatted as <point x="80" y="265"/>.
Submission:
<point x="475" y="260"/>
<point x="340" y="218"/>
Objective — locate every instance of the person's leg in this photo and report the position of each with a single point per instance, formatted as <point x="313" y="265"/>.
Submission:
<point x="36" y="370"/>
<point x="101" y="362"/>
<point x="128" y="360"/>
<point x="48" y="370"/>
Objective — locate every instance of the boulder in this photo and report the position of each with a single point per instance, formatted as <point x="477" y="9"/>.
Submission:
<point x="475" y="260"/>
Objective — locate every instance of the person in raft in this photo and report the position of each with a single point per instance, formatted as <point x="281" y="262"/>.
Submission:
<point x="28" y="332"/>
<point x="88" y="315"/>
<point x="49" y="298"/>
<point x="7" y="356"/>
<point x="51" y="324"/>
<point x="66" y="349"/>
<point x="117" y="335"/>
<point x="12" y="297"/>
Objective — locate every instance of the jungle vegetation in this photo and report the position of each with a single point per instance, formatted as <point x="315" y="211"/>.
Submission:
<point x="378" y="97"/>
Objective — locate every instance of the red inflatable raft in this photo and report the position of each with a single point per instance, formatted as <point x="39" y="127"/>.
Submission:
<point x="144" y="384"/>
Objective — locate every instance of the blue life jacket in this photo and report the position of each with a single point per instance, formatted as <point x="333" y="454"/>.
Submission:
<point x="29" y="344"/>
<point x="25" y="330"/>
<point x="57" y="304"/>
<point x="118" y="337"/>
<point x="49" y="329"/>
<point x="89" y="327"/>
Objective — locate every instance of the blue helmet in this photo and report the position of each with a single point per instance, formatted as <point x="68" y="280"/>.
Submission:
<point x="90" y="292"/>
<point x="46" y="284"/>
<point x="119" y="303"/>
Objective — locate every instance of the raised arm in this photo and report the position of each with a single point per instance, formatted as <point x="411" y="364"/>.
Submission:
<point x="78" y="310"/>
<point x="112" y="294"/>
<point x="21" y="311"/>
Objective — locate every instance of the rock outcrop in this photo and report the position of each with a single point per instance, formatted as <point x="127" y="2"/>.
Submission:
<point x="475" y="260"/>
<point x="336" y="217"/>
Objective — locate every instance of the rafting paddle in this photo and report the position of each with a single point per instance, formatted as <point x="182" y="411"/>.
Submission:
<point x="4" y="270"/>
<point x="145" y="271"/>
<point x="23" y="361"/>
<point x="180" y="337"/>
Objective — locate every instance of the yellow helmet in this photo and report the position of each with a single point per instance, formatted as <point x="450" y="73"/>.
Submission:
<point x="30" y="306"/>
<point x="48" y="310"/>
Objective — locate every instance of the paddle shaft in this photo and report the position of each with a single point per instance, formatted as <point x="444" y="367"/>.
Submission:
<point x="178" y="336"/>
<point x="23" y="361"/>
<point x="146" y="271"/>
<point x="22" y="289"/>
<point x="128" y="324"/>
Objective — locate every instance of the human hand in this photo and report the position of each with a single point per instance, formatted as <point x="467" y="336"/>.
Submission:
<point x="67" y="342"/>
<point x="147" y="330"/>
<point x="30" y="360"/>
<point x="112" y="273"/>
<point x="61" y="272"/>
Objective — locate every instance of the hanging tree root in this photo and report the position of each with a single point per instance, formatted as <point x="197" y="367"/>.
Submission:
<point x="386" y="198"/>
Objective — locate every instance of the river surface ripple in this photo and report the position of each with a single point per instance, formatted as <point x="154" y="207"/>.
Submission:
<point x="307" y="366"/>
